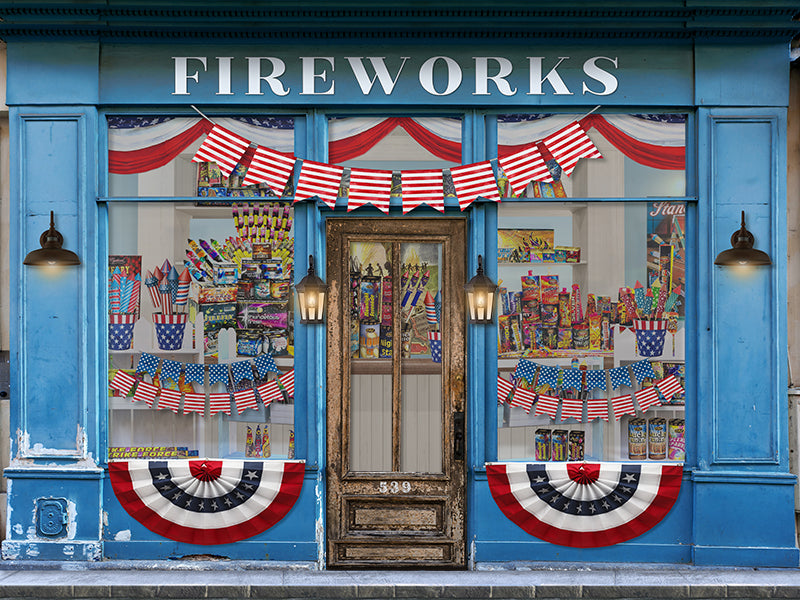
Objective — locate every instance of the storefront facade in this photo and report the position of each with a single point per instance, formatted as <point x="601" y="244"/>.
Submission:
<point x="625" y="404"/>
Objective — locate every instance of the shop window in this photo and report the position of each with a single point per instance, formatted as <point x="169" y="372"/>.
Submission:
<point x="591" y="330"/>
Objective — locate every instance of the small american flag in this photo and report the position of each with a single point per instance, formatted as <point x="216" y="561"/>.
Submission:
<point x="194" y="373"/>
<point x="548" y="375"/>
<point x="571" y="408"/>
<point x="547" y="405"/>
<point x="597" y="408"/>
<point x="504" y="388"/>
<point x="523" y="398"/>
<point x="642" y="370"/>
<point x="122" y="382"/>
<point x="269" y="392"/>
<point x="266" y="364"/>
<point x="147" y="364"/>
<point x="669" y="386"/>
<point x="319" y="179"/>
<point x="524" y="166"/>
<point x="219" y="402"/>
<point x="622" y="405"/>
<point x="472" y="181"/>
<point x="217" y="373"/>
<point x="526" y="370"/>
<point x="242" y="369"/>
<point x="573" y="379"/>
<point x="422" y="187"/>
<point x="194" y="402"/>
<point x="646" y="398"/>
<point x="596" y="379"/>
<point x="171" y="369"/>
<point x="619" y="377"/>
<point x="145" y="392"/>
<point x="569" y="144"/>
<point x="270" y="167"/>
<point x="245" y="399"/>
<point x="287" y="382"/>
<point x="369" y="187"/>
<point x="222" y="147"/>
<point x="170" y="399"/>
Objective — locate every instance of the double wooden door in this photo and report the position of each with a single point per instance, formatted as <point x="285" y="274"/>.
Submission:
<point x="395" y="392"/>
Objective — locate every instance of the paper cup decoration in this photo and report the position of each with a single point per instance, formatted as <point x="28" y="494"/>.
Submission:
<point x="650" y="336"/>
<point x="120" y="330"/>
<point x="169" y="330"/>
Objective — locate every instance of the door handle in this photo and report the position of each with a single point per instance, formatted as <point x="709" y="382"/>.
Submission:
<point x="458" y="436"/>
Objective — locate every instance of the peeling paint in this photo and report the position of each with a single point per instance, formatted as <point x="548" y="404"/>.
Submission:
<point x="320" y="526"/>
<point x="11" y="550"/>
<point x="69" y="550"/>
<point x="25" y="450"/>
<point x="18" y="529"/>
<point x="32" y="550"/>
<point x="72" y="523"/>
<point x="123" y="536"/>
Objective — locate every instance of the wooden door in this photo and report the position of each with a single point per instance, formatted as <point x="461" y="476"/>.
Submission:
<point x="395" y="416"/>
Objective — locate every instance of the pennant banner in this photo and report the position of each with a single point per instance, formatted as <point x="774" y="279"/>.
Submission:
<point x="222" y="147"/>
<point x="473" y="181"/>
<point x="270" y="167"/>
<point x="422" y="187"/>
<point x="523" y="398"/>
<point x="523" y="167"/>
<point x="570" y="144"/>
<point x="319" y="179"/>
<point x="369" y="187"/>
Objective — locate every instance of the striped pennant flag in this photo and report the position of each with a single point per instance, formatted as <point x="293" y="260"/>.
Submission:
<point x="523" y="167"/>
<point x="668" y="387"/>
<point x="245" y="399"/>
<point x="319" y="179"/>
<point x="569" y="144"/>
<point x="571" y="408"/>
<point x="646" y="398"/>
<point x="523" y="398"/>
<point x="504" y="388"/>
<point x="194" y="402"/>
<point x="547" y="405"/>
<point x="270" y="167"/>
<point x="368" y="186"/>
<point x="222" y="147"/>
<point x="269" y="392"/>
<point x="472" y="181"/>
<point x="219" y="402"/>
<point x="170" y="399"/>
<point x="286" y="381"/>
<point x="622" y="405"/>
<point x="145" y="392"/>
<point x="422" y="187"/>
<point x="122" y="382"/>
<point x="597" y="408"/>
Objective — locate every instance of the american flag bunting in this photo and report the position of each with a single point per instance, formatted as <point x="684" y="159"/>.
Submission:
<point x="194" y="373"/>
<point x="569" y="144"/>
<point x="571" y="408"/>
<point x="573" y="379"/>
<point x="222" y="147"/>
<point x="269" y="392"/>
<point x="147" y="364"/>
<point x="265" y="364"/>
<point x="171" y="369"/>
<point x="597" y="408"/>
<point x="647" y="398"/>
<point x="526" y="370"/>
<point x="241" y="370"/>
<point x="619" y="377"/>
<point x="642" y="370"/>
<point x="472" y="181"/>
<point x="668" y="387"/>
<point x="622" y="405"/>
<point x="368" y="186"/>
<point x="170" y="399"/>
<point x="286" y="381"/>
<point x="319" y="179"/>
<point x="547" y="405"/>
<point x="245" y="399"/>
<point x="219" y="402"/>
<point x="270" y="167"/>
<point x="523" y="167"/>
<point x="596" y="379"/>
<point x="145" y="392"/>
<point x="504" y="388"/>
<point x="122" y="382"/>
<point x="194" y="402"/>
<point x="523" y="398"/>
<point x="217" y="373"/>
<point x="548" y="375"/>
<point x="422" y="187"/>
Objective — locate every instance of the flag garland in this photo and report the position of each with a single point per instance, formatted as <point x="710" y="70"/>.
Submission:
<point x="369" y="187"/>
<point x="222" y="147"/>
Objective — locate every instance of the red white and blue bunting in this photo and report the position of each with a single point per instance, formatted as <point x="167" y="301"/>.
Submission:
<point x="207" y="502"/>
<point x="585" y="505"/>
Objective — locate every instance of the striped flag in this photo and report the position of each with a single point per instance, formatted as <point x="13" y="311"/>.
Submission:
<point x="270" y="167"/>
<point x="646" y="398"/>
<point x="122" y="382"/>
<point x="669" y="386"/>
<point x="474" y="180"/>
<point x="245" y="399"/>
<point x="597" y="408"/>
<point x="170" y="399"/>
<point x="523" y="398"/>
<point x="286" y="381"/>
<point x="571" y="408"/>
<point x="219" y="402"/>
<point x="145" y="392"/>
<point x="524" y="166"/>
<point x="319" y="179"/>
<point x="368" y="186"/>
<point x="547" y="405"/>
<point x="269" y="392"/>
<point x="222" y="147"/>
<point x="504" y="388"/>
<point x="422" y="187"/>
<point x="194" y="402"/>
<point x="569" y="144"/>
<point x="622" y="405"/>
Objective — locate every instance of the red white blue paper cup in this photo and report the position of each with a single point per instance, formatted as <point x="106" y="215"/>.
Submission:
<point x="650" y="336"/>
<point x="169" y="330"/>
<point x="120" y="330"/>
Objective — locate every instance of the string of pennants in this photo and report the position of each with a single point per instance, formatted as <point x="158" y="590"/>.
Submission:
<point x="370" y="186"/>
<point x="572" y="385"/>
<point x="242" y="384"/>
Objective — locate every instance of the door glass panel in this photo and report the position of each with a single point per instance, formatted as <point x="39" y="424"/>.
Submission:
<point x="421" y="367"/>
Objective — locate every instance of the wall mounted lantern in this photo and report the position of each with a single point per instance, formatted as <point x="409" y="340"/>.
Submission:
<point x="51" y="253"/>
<point x="742" y="253"/>
<point x="480" y="296"/>
<point x="311" y="292"/>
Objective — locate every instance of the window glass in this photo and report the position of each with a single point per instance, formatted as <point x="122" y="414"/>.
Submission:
<point x="591" y="334"/>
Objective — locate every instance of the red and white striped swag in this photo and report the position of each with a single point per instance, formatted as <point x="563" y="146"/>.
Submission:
<point x="368" y="186"/>
<point x="547" y="405"/>
<point x="422" y="187"/>
<point x="622" y="405"/>
<point x="194" y="402"/>
<point x="504" y="388"/>
<point x="122" y="382"/>
<point x="524" y="166"/>
<point x="287" y="382"/>
<point x="571" y="408"/>
<point x="269" y="392"/>
<point x="474" y="180"/>
<point x="569" y="144"/>
<point x="319" y="179"/>
<point x="170" y="399"/>
<point x="597" y="408"/>
<point x="669" y="386"/>
<point x="219" y="402"/>
<point x="523" y="398"/>
<point x="222" y="147"/>
<point x="646" y="398"/>
<point x="270" y="167"/>
<point x="245" y="399"/>
<point x="145" y="392"/>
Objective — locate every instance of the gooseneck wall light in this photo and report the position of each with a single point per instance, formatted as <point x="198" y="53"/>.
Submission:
<point x="51" y="253"/>
<point x="742" y="253"/>
<point x="311" y="292"/>
<point x="480" y="296"/>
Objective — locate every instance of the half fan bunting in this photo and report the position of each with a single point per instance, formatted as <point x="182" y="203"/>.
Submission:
<point x="585" y="505"/>
<point x="207" y="501"/>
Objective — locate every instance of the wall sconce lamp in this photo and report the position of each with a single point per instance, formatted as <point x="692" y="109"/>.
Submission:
<point x="742" y="252"/>
<point x="480" y="296"/>
<point x="51" y="253"/>
<point x="311" y="293"/>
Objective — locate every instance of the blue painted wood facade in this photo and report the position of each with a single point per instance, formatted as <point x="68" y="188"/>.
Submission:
<point x="732" y="79"/>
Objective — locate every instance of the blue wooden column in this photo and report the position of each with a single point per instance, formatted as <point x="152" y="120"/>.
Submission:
<point x="57" y="348"/>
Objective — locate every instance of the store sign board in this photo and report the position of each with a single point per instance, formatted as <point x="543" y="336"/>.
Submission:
<point x="438" y="75"/>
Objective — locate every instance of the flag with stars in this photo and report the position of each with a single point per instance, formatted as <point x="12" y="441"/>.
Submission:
<point x="596" y="379"/>
<point x="571" y="408"/>
<point x="241" y="370"/>
<point x="622" y="405"/>
<point x="266" y="364"/>
<point x="642" y="370"/>
<point x="546" y="405"/>
<point x="548" y="375"/>
<point x="523" y="398"/>
<point x="584" y="505"/>
<point x="435" y="339"/>
<point x="245" y="399"/>
<point x="147" y="364"/>
<point x="668" y="387"/>
<point x="619" y="377"/>
<point x="525" y="370"/>
<point x="647" y="398"/>
<point x="145" y="392"/>
<point x="194" y="373"/>
<point x="504" y="388"/>
<point x="207" y="502"/>
<point x="269" y="392"/>
<point x="597" y="408"/>
<point x="194" y="402"/>
<point x="573" y="379"/>
<point x="219" y="402"/>
<point x="123" y="382"/>
<point x="286" y="381"/>
<point x="170" y="399"/>
<point x="171" y="369"/>
<point x="217" y="374"/>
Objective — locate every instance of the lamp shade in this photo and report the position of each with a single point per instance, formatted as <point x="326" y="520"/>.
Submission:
<point x="311" y="293"/>
<point x="742" y="251"/>
<point x="480" y="296"/>
<point x="51" y="253"/>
